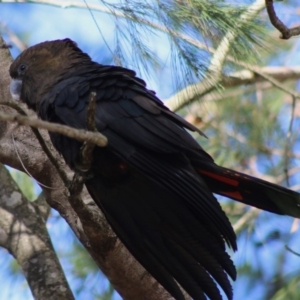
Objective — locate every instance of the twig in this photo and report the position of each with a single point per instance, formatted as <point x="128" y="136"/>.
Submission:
<point x="81" y="135"/>
<point x="91" y="124"/>
<point x="287" y="147"/>
<point x="249" y="75"/>
<point x="86" y="151"/>
<point x="13" y="37"/>
<point x="87" y="147"/>
<point x="275" y="82"/>
<point x="27" y="171"/>
<point x="89" y="220"/>
<point x="5" y="46"/>
<point x="286" y="32"/>
<point x="292" y="251"/>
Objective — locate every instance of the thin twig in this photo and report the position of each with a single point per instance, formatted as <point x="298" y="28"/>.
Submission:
<point x="5" y="46"/>
<point x="287" y="148"/>
<point x="26" y="170"/>
<point x="13" y="37"/>
<point x="291" y="250"/>
<point x="275" y="82"/>
<point x="247" y="76"/>
<point x="286" y="32"/>
<point x="91" y="110"/>
<point x="250" y="75"/>
<point x="87" y="147"/>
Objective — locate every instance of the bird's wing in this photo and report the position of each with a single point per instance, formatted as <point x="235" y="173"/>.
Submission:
<point x="189" y="226"/>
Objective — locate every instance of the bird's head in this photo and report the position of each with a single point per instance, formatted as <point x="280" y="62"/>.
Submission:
<point x="36" y="70"/>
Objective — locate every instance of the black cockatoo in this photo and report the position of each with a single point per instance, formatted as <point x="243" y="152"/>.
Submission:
<point x="153" y="181"/>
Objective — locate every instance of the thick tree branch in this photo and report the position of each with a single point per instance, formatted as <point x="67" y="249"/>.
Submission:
<point x="24" y="234"/>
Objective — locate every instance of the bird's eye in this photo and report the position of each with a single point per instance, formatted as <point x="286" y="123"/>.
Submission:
<point x="22" y="68"/>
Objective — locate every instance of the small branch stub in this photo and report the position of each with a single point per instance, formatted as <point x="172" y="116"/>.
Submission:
<point x="88" y="147"/>
<point x="86" y="151"/>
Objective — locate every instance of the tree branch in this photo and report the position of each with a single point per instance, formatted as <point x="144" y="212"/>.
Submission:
<point x="13" y="37"/>
<point x="250" y="75"/>
<point x="24" y="235"/>
<point x="286" y="32"/>
<point x="81" y="135"/>
<point x="87" y="147"/>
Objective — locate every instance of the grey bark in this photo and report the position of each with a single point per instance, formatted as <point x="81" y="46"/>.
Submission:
<point x="24" y="234"/>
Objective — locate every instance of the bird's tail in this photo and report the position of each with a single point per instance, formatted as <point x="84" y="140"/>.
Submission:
<point x="251" y="191"/>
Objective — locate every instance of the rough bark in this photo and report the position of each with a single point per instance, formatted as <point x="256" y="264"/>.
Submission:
<point x="24" y="234"/>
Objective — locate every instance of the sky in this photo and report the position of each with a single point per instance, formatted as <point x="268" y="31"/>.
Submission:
<point x="37" y="23"/>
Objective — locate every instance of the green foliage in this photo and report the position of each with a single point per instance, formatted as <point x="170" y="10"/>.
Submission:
<point x="185" y="23"/>
<point x="289" y="291"/>
<point x="212" y="20"/>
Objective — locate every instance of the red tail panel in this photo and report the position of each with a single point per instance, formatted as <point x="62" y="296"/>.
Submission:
<point x="220" y="178"/>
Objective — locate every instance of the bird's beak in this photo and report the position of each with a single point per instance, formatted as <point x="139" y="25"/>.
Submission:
<point x="15" y="88"/>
